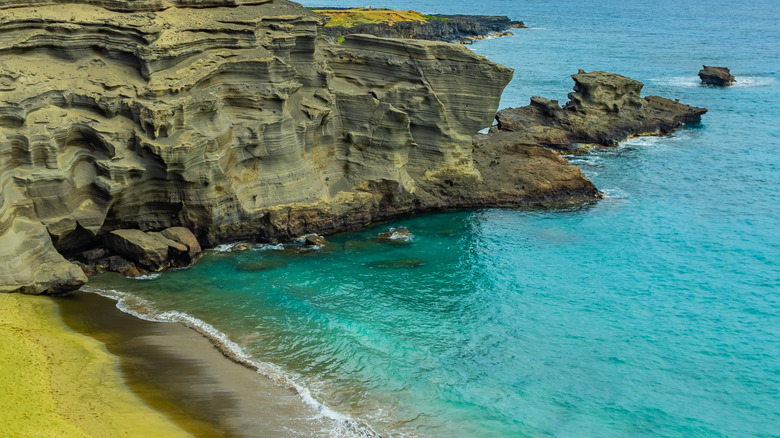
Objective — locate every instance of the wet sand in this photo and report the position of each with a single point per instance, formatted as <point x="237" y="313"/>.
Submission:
<point x="182" y="375"/>
<point x="57" y="383"/>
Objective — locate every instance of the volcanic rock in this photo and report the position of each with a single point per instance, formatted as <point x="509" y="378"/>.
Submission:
<point x="604" y="108"/>
<point x="448" y="28"/>
<point x="315" y="240"/>
<point x="238" y="123"/>
<point x="145" y="249"/>
<point x="720" y="76"/>
<point x="398" y="235"/>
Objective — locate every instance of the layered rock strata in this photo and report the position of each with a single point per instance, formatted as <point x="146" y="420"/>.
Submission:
<point x="604" y="108"/>
<point x="233" y="119"/>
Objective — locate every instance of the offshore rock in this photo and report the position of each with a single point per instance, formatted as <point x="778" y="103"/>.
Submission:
<point x="238" y="123"/>
<point x="604" y="108"/>
<point x="719" y="76"/>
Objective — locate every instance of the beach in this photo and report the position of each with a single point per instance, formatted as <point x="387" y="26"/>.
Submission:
<point x="181" y="374"/>
<point x="56" y="382"/>
<point x="76" y="366"/>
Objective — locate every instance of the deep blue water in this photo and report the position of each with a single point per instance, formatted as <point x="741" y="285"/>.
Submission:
<point x="653" y="312"/>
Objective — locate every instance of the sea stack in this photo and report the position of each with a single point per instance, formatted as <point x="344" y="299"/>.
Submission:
<point x="719" y="76"/>
<point x="604" y="109"/>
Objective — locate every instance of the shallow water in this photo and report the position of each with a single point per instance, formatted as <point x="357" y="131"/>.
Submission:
<point x="654" y="311"/>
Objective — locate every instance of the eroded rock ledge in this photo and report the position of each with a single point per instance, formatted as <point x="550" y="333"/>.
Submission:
<point x="238" y="123"/>
<point x="604" y="109"/>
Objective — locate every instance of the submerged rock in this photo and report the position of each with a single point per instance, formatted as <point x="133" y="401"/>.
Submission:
<point x="401" y="235"/>
<point x="720" y="76"/>
<point x="604" y="108"/>
<point x="403" y="263"/>
<point x="261" y="265"/>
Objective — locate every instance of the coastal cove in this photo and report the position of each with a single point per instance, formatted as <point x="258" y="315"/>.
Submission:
<point x="652" y="311"/>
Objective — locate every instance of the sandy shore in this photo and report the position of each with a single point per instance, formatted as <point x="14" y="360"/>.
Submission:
<point x="58" y="383"/>
<point x="182" y="375"/>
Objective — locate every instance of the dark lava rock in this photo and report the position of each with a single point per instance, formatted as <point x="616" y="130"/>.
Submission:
<point x="118" y="264"/>
<point x="91" y="256"/>
<point x="448" y="28"/>
<point x="720" y="76"/>
<point x="315" y="240"/>
<point x="604" y="108"/>
<point x="402" y="235"/>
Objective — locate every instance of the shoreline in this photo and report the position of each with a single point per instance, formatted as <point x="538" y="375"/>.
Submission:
<point x="184" y="374"/>
<point x="57" y="382"/>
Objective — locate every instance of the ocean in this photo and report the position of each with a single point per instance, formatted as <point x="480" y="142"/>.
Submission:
<point x="652" y="312"/>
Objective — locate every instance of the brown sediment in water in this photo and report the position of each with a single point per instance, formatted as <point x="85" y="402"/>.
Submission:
<point x="57" y="383"/>
<point x="181" y="374"/>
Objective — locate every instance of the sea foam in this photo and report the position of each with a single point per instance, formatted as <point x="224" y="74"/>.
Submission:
<point x="344" y="426"/>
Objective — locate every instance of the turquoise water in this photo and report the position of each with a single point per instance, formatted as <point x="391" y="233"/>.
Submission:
<point x="653" y="312"/>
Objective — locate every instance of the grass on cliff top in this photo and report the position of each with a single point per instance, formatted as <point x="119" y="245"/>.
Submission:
<point x="357" y="16"/>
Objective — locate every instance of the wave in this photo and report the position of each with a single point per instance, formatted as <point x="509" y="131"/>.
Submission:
<point x="694" y="81"/>
<point x="399" y="236"/>
<point x="152" y="276"/>
<point x="243" y="246"/>
<point x="754" y="81"/>
<point x="142" y="309"/>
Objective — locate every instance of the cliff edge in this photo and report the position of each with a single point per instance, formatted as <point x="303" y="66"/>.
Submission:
<point x="234" y="119"/>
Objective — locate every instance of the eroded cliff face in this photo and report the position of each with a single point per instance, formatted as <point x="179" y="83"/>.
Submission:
<point x="232" y="118"/>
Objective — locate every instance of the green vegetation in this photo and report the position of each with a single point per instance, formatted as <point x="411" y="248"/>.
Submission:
<point x="340" y="39"/>
<point x="433" y="17"/>
<point x="357" y="16"/>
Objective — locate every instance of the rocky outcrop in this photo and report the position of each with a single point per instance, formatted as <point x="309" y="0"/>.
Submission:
<point x="238" y="123"/>
<point x="133" y="252"/>
<point x="448" y="28"/>
<point x="604" y="108"/>
<point x="719" y="76"/>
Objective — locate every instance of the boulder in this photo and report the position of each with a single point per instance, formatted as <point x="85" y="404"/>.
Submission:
<point x="185" y="237"/>
<point x="315" y="240"/>
<point x="118" y="264"/>
<point x="92" y="256"/>
<point x="719" y="76"/>
<point x="138" y="247"/>
<point x="178" y="254"/>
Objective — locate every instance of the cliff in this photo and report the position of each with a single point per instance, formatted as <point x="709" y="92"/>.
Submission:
<point x="410" y="24"/>
<point x="236" y="120"/>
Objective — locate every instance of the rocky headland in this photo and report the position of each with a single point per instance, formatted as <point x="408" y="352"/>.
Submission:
<point x="604" y="109"/>
<point x="122" y="123"/>
<point x="410" y="24"/>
